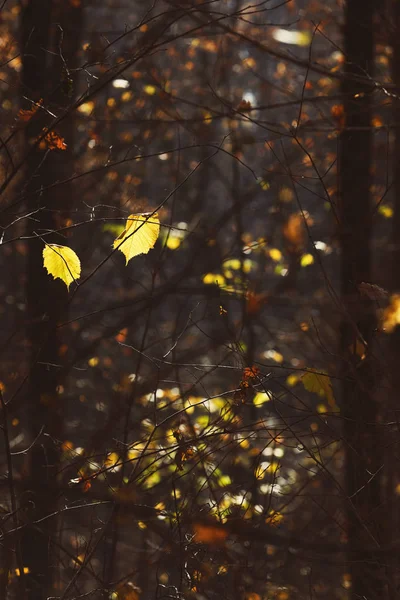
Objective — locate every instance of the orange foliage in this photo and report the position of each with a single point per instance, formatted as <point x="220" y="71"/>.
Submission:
<point x="294" y="232"/>
<point x="250" y="373"/>
<point x="121" y="336"/>
<point x="209" y="534"/>
<point x="255" y="302"/>
<point x="337" y="112"/>
<point x="52" y="141"/>
<point x="26" y="115"/>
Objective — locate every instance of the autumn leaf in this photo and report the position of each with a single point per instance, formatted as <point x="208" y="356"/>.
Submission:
<point x="338" y="114"/>
<point x="244" y="105"/>
<point x="52" y="141"/>
<point x="209" y="534"/>
<point x="294" y="232"/>
<point x="26" y="115"/>
<point x="121" y="335"/>
<point x="250" y="373"/>
<point x="61" y="262"/>
<point x="254" y="302"/>
<point x="139" y="236"/>
<point x="319" y="383"/>
<point x="391" y="314"/>
<point x="184" y="452"/>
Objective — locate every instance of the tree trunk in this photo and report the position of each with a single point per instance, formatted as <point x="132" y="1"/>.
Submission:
<point x="363" y="451"/>
<point x="393" y="349"/>
<point x="49" y="51"/>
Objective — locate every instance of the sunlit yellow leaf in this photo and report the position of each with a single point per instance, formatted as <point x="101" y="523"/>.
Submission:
<point x="86" y="108"/>
<point x="386" y="211"/>
<point x="275" y="254"/>
<point x="261" y="398"/>
<point x="306" y="260"/>
<point x="274" y="355"/>
<point x="151" y="480"/>
<point x="263" y="183"/>
<point x="112" y="460"/>
<point x="391" y="314"/>
<point x="232" y="263"/>
<point x="224" y="480"/>
<point x="297" y="38"/>
<point x="140" y="235"/>
<point x="292" y="379"/>
<point x="260" y="471"/>
<point x="214" y="278"/>
<point x="61" y="262"/>
<point x="25" y="569"/>
<point x="173" y="242"/>
<point x="274" y="517"/>
<point x="150" y="90"/>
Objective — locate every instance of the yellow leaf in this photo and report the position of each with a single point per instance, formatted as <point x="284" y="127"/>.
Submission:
<point x="150" y="90"/>
<point x="306" y="260"/>
<point x="275" y="254"/>
<point x="386" y="211"/>
<point x="292" y="379"/>
<point x="61" y="262"/>
<point x="391" y="314"/>
<point x="140" y="235"/>
<point x="319" y="383"/>
<point x="232" y="263"/>
<point x="211" y="278"/>
<point x="173" y="242"/>
<point x="261" y="398"/>
<point x="297" y="38"/>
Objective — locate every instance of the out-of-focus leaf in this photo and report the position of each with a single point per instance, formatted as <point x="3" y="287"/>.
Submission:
<point x="114" y="228"/>
<point x="319" y="383"/>
<point x="209" y="534"/>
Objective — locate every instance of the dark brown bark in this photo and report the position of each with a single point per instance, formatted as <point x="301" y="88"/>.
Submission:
<point x="393" y="349"/>
<point x="359" y="406"/>
<point x="50" y="45"/>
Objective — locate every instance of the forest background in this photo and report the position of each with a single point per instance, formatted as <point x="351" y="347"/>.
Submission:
<point x="214" y="414"/>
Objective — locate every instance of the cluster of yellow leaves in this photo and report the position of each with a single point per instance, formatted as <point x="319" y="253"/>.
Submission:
<point x="138" y="237"/>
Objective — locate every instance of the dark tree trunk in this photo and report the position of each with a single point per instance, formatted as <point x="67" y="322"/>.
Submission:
<point x="363" y="449"/>
<point x="50" y="45"/>
<point x="393" y="350"/>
